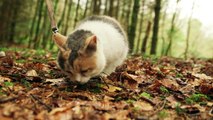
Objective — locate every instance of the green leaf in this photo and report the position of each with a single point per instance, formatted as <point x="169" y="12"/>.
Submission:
<point x="7" y="84"/>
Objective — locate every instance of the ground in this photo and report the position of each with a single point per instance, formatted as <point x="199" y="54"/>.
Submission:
<point x="32" y="87"/>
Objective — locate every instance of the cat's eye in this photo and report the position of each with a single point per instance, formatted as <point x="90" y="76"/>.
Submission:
<point x="84" y="71"/>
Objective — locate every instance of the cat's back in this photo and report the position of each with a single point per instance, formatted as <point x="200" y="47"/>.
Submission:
<point x="104" y="27"/>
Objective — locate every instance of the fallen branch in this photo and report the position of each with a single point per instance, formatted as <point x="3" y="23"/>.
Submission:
<point x="7" y="99"/>
<point x="42" y="103"/>
<point x="148" y="100"/>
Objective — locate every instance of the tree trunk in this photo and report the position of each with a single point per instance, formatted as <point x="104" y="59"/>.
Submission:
<point x="172" y="30"/>
<point x="76" y="14"/>
<point x="36" y="38"/>
<point x="96" y="7"/>
<point x="32" y="26"/>
<point x="188" y="32"/>
<point x="63" y="14"/>
<point x="141" y="27"/>
<point x="132" y="30"/>
<point x="144" y="44"/>
<point x="163" y="31"/>
<point x="44" y="29"/>
<point x="5" y="17"/>
<point x="86" y="8"/>
<point x="111" y="8"/>
<point x="15" y="9"/>
<point x="67" y="18"/>
<point x="117" y="9"/>
<point x="155" y="27"/>
<point x="106" y="7"/>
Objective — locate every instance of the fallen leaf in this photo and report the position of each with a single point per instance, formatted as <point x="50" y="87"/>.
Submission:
<point x="54" y="81"/>
<point x="2" y="54"/>
<point x="4" y="79"/>
<point x="31" y="73"/>
<point x="112" y="88"/>
<point x="142" y="105"/>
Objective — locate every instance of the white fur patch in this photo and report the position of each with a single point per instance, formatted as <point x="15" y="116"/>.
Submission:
<point x="112" y="48"/>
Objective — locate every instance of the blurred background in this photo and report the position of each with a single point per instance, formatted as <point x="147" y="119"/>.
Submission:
<point x="178" y="28"/>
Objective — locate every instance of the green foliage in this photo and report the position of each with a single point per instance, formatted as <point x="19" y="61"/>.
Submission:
<point x="179" y="75"/>
<point x="95" y="90"/>
<point x="26" y="83"/>
<point x="8" y="84"/>
<point x="195" y="98"/>
<point x="130" y="101"/>
<point x="164" y="90"/>
<point x="1" y="92"/>
<point x="178" y="109"/>
<point x="162" y="114"/>
<point x="145" y="94"/>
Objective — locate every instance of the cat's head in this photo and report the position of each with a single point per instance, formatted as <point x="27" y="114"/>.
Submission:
<point x="79" y="55"/>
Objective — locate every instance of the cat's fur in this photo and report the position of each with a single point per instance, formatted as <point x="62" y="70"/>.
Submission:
<point x="97" y="45"/>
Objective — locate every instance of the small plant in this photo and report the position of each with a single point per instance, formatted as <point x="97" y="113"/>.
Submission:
<point x="178" y="109"/>
<point x="95" y="90"/>
<point x="8" y="84"/>
<point x="130" y="101"/>
<point x="25" y="83"/>
<point x="145" y="94"/>
<point x="164" y="90"/>
<point x="1" y="93"/>
<point x="162" y="114"/>
<point x="195" y="98"/>
<point x="179" y="75"/>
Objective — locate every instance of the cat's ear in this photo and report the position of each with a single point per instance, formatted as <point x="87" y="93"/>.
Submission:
<point x="60" y="40"/>
<point x="91" y="44"/>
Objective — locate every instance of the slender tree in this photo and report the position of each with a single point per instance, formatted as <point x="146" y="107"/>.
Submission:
<point x="172" y="30"/>
<point x="63" y="14"/>
<point x="96" y="6"/>
<point x="117" y="9"/>
<point x="155" y="27"/>
<point x="76" y="13"/>
<point x="163" y="29"/>
<point x="134" y="19"/>
<point x="188" y="32"/>
<point x="145" y="39"/>
<point x="33" y="25"/>
<point x="111" y="8"/>
<point x="141" y="27"/>
<point x="67" y="18"/>
<point x="36" y="37"/>
<point x="86" y="8"/>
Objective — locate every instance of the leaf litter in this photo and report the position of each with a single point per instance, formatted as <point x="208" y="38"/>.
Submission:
<point x="33" y="88"/>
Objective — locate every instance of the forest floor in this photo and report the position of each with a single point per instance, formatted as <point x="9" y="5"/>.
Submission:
<point x="32" y="87"/>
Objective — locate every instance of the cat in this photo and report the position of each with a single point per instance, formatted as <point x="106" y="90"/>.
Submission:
<point x="97" y="45"/>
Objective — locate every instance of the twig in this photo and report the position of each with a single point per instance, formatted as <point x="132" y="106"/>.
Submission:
<point x="161" y="108"/>
<point x="42" y="103"/>
<point x="8" y="99"/>
<point x="148" y="100"/>
<point x="211" y="111"/>
<point x="103" y="79"/>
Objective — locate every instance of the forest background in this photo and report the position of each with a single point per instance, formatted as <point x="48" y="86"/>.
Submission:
<point x="154" y="27"/>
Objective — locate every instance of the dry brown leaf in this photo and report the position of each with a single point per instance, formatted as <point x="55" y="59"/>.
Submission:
<point x="4" y="79"/>
<point x="2" y="54"/>
<point x="31" y="73"/>
<point x="172" y="101"/>
<point x="112" y="88"/>
<point x="171" y="84"/>
<point x="54" y="81"/>
<point x="142" y="105"/>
